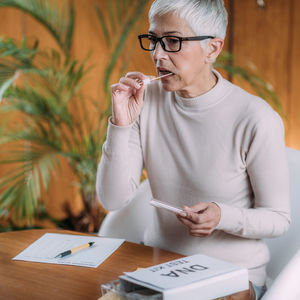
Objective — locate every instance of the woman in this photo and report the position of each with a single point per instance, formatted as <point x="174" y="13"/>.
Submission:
<point x="207" y="145"/>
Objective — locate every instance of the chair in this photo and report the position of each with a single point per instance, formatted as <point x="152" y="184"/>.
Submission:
<point x="286" y="284"/>
<point x="130" y="222"/>
<point x="284" y="266"/>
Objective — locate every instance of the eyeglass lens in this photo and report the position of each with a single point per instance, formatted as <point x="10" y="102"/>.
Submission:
<point x="168" y="43"/>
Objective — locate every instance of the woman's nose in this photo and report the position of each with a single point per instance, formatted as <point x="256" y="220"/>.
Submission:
<point x="159" y="53"/>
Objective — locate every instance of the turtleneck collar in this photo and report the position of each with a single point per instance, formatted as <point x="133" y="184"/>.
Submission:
<point x="210" y="98"/>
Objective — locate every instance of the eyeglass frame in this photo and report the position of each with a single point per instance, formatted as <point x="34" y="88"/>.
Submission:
<point x="181" y="39"/>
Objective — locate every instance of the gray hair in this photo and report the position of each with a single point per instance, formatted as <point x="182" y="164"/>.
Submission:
<point x="206" y="17"/>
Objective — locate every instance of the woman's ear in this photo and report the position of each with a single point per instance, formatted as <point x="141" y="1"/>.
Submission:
<point x="213" y="49"/>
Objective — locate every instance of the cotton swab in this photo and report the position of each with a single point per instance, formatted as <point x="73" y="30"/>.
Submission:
<point x="149" y="80"/>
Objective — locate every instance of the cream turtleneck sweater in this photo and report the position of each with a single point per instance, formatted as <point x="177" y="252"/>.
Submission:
<point x="225" y="146"/>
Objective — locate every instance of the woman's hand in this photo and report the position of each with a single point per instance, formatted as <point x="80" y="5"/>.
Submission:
<point x="201" y="219"/>
<point x="127" y="99"/>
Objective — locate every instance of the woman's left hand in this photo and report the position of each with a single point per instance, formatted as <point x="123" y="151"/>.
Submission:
<point x="201" y="219"/>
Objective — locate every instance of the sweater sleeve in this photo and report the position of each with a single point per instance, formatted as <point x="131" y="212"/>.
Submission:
<point x="120" y="167"/>
<point x="267" y="169"/>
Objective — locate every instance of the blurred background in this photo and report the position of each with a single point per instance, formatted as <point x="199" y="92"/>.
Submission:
<point x="58" y="59"/>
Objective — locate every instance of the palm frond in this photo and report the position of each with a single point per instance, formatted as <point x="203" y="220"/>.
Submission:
<point x="22" y="61"/>
<point x="111" y="15"/>
<point x="21" y="188"/>
<point x="58" y="20"/>
<point x="5" y="85"/>
<point x="104" y="27"/>
<point x="22" y="54"/>
<point x="49" y="85"/>
<point x="122" y="38"/>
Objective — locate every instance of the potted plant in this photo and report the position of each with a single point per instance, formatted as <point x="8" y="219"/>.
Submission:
<point x="42" y="90"/>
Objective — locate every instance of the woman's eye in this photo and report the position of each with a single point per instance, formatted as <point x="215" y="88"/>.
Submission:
<point x="151" y="39"/>
<point x="172" y="41"/>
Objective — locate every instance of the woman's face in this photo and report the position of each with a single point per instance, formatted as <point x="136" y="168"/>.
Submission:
<point x="189" y="66"/>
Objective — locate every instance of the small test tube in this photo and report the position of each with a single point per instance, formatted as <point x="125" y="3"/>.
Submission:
<point x="149" y="80"/>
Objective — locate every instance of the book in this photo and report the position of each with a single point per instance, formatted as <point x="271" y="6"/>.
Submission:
<point x="193" y="277"/>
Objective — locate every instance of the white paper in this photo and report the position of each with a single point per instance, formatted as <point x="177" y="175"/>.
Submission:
<point x="49" y="245"/>
<point x="183" y="271"/>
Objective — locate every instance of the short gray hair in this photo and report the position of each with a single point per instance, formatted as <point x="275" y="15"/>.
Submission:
<point x="206" y="17"/>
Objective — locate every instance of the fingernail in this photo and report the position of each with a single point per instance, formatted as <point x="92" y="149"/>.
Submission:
<point x="138" y="83"/>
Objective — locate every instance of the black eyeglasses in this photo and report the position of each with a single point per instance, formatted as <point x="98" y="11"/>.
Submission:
<point x="169" y="43"/>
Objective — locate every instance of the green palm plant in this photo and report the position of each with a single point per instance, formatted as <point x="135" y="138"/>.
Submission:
<point x="42" y="90"/>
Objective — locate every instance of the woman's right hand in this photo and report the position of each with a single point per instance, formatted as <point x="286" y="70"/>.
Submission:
<point x="127" y="99"/>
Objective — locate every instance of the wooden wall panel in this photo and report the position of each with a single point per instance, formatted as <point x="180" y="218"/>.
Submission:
<point x="88" y="39"/>
<point x="293" y="111"/>
<point x="261" y="37"/>
<point x="11" y="23"/>
<point x="33" y="29"/>
<point x="141" y="60"/>
<point x="269" y="38"/>
<point x="228" y="39"/>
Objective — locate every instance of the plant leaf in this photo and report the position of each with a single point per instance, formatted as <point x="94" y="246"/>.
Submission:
<point x="137" y="12"/>
<point x="5" y="85"/>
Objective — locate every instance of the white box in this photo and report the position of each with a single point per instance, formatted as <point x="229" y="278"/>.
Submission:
<point x="196" y="277"/>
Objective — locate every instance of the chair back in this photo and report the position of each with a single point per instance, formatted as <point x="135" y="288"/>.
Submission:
<point x="284" y="247"/>
<point x="286" y="285"/>
<point x="130" y="222"/>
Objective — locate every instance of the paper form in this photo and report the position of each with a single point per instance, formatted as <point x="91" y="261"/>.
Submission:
<point x="49" y="245"/>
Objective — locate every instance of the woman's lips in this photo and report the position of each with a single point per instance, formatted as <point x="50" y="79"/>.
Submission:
<point x="164" y="71"/>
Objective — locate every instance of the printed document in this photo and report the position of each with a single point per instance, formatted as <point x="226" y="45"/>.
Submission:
<point x="49" y="245"/>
